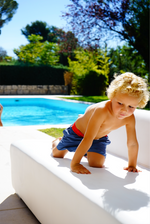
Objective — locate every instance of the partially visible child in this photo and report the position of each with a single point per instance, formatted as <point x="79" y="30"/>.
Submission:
<point x="88" y="135"/>
<point x="1" y="110"/>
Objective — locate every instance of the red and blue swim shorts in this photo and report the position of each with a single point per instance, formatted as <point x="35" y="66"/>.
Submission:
<point x="72" y="138"/>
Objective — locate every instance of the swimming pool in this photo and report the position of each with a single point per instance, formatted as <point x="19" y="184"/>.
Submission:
<point x="39" y="111"/>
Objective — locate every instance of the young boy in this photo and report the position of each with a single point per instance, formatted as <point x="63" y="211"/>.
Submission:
<point x="88" y="135"/>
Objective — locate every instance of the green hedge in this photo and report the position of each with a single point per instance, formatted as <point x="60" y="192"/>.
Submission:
<point x="35" y="75"/>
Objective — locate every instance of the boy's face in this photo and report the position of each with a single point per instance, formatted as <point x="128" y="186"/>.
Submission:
<point x="123" y="105"/>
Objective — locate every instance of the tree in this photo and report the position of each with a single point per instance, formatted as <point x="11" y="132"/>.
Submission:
<point x="7" y="10"/>
<point x="66" y="40"/>
<point x="38" y="53"/>
<point x="37" y="28"/>
<point x="55" y="34"/>
<point x="124" y="59"/>
<point x="90" y="72"/>
<point x="127" y="19"/>
<point x="68" y="43"/>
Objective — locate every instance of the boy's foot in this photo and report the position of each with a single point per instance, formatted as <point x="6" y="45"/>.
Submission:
<point x="57" y="139"/>
<point x="55" y="142"/>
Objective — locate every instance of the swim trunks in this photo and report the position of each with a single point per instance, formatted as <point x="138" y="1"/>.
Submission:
<point x="72" y="138"/>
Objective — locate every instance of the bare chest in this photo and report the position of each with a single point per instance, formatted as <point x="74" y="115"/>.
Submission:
<point x="109" y="125"/>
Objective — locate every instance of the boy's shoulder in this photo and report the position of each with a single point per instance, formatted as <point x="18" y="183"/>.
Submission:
<point x="103" y="107"/>
<point x="103" y="104"/>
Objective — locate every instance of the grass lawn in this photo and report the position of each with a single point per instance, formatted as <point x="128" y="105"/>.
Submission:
<point x="54" y="132"/>
<point x="92" y="99"/>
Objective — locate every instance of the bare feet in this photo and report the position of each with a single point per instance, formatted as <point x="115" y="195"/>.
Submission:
<point x="55" y="152"/>
<point x="57" y="139"/>
<point x="55" y="142"/>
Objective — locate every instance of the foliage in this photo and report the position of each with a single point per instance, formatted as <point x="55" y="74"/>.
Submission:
<point x="6" y="63"/>
<point x="55" y="34"/>
<point x="38" y="53"/>
<point x="66" y="40"/>
<point x="67" y="43"/>
<point x="38" y="28"/>
<point x="54" y="132"/>
<point x="128" y="19"/>
<point x="49" y="33"/>
<point x="8" y="58"/>
<point x="90" y="72"/>
<point x="126" y="59"/>
<point x="89" y="61"/>
<point x="92" y="84"/>
<point x="7" y="10"/>
<point x="3" y="54"/>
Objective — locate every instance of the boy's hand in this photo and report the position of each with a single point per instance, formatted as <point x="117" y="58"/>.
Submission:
<point x="78" y="168"/>
<point x="1" y="109"/>
<point x="132" y="169"/>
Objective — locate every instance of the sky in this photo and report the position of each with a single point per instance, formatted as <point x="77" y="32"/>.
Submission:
<point x="49" y="11"/>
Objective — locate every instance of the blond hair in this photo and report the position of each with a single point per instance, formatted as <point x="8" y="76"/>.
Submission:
<point x="131" y="84"/>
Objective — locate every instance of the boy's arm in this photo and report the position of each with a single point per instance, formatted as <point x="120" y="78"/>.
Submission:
<point x="91" y="131"/>
<point x="132" y="145"/>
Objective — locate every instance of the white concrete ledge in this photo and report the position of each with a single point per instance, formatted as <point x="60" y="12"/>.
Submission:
<point x="56" y="195"/>
<point x="109" y="195"/>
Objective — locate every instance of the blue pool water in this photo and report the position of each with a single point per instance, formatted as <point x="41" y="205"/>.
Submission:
<point x="39" y="111"/>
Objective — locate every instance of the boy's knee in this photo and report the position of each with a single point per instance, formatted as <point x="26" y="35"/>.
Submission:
<point x="58" y="154"/>
<point x="95" y="164"/>
<point x="95" y="159"/>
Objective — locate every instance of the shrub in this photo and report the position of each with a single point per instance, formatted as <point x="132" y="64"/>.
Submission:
<point x="92" y="84"/>
<point x="90" y="72"/>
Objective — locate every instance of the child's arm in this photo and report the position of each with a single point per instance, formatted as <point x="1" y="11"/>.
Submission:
<point x="1" y="110"/>
<point x="132" y="144"/>
<point x="91" y="131"/>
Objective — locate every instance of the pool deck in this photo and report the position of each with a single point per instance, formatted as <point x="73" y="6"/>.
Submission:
<point x="12" y="208"/>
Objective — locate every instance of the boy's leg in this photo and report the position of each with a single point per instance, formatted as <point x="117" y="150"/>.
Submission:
<point x="55" y="152"/>
<point x="95" y="159"/>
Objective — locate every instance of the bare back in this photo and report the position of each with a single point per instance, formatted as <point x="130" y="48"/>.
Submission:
<point x="108" y="122"/>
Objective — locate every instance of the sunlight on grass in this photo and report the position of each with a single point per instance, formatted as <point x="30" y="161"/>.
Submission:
<point x="54" y="132"/>
<point x="92" y="99"/>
